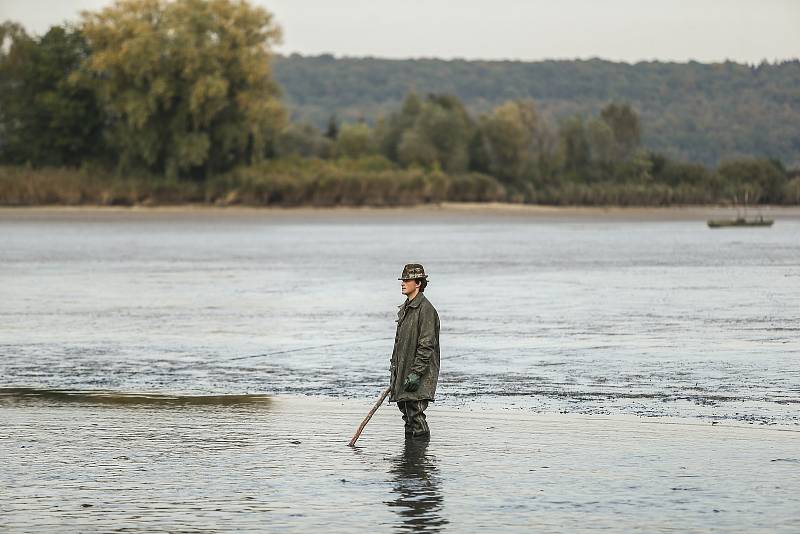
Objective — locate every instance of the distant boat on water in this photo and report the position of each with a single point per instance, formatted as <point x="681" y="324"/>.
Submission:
<point x="740" y="220"/>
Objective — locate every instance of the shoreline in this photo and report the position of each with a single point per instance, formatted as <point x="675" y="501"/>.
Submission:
<point x="353" y="408"/>
<point x="508" y="415"/>
<point x="503" y="209"/>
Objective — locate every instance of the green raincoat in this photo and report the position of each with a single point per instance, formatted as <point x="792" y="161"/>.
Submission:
<point x="416" y="350"/>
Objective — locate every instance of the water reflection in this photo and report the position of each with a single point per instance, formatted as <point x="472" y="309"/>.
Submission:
<point x="417" y="485"/>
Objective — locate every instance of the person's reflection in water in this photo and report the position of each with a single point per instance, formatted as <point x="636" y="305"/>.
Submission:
<point x="416" y="483"/>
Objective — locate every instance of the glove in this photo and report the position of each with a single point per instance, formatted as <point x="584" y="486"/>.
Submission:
<point x="412" y="383"/>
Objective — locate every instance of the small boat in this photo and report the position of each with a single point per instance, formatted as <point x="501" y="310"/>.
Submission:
<point x="739" y="221"/>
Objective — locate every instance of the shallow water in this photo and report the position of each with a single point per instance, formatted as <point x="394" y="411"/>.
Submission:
<point x="96" y="462"/>
<point x="614" y="315"/>
<point x="141" y="354"/>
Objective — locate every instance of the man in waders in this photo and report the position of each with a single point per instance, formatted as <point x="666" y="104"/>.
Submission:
<point x="415" y="358"/>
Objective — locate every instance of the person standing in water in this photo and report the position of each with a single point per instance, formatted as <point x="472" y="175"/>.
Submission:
<point x="414" y="366"/>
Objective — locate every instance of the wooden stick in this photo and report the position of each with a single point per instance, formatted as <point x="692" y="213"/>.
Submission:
<point x="369" y="416"/>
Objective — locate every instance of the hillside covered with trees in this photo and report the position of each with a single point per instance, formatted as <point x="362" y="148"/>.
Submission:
<point x="703" y="113"/>
<point x="153" y="102"/>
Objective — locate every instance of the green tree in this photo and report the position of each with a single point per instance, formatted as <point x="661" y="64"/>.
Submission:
<point x="332" y="131"/>
<point x="186" y="83"/>
<point x="603" y="159"/>
<point x="302" y="140"/>
<point x="354" y="140"/>
<point x="415" y="149"/>
<point x="516" y="143"/>
<point x="505" y="138"/>
<point x="575" y="148"/>
<point x="435" y="132"/>
<point x="447" y="126"/>
<point x="624" y="123"/>
<point x="45" y="119"/>
<point x="389" y="130"/>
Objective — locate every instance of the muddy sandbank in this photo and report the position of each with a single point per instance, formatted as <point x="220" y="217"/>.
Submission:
<point x="450" y="211"/>
<point x="284" y="466"/>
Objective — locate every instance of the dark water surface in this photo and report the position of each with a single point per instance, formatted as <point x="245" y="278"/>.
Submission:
<point x="606" y="314"/>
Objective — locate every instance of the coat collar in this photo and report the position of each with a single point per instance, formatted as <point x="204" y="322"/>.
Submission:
<point x="414" y="303"/>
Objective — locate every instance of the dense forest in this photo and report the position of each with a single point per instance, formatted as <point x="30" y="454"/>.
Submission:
<point x="153" y="102"/>
<point x="704" y="113"/>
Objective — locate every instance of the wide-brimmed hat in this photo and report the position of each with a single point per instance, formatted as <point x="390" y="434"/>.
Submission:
<point x="413" y="271"/>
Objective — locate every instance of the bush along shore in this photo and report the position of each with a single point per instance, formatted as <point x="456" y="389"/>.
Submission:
<point x="362" y="182"/>
<point x="174" y="102"/>
<point x="370" y="181"/>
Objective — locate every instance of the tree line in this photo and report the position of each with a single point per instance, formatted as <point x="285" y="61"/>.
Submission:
<point x="703" y="113"/>
<point x="599" y="160"/>
<point x="153" y="101"/>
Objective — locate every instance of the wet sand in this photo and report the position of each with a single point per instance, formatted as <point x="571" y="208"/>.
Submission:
<point x="447" y="211"/>
<point x="74" y="463"/>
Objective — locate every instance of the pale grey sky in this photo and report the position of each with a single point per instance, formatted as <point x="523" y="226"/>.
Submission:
<point x="621" y="30"/>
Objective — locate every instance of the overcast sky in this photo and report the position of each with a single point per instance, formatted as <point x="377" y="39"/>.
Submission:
<point x="622" y="30"/>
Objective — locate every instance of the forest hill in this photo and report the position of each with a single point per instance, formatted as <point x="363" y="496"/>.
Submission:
<point x="697" y="112"/>
<point x="104" y="113"/>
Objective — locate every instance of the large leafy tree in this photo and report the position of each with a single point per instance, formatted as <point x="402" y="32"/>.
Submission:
<point x="434" y="132"/>
<point x="45" y="119"/>
<point x="354" y="140"/>
<point x="186" y="83"/>
<point x="624" y="123"/>
<point x="516" y="142"/>
<point x="576" y="149"/>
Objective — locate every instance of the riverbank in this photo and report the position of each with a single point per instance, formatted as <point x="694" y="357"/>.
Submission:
<point x="446" y="210"/>
<point x="284" y="466"/>
<point x="367" y="181"/>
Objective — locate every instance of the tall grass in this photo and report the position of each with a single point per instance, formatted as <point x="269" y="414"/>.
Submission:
<point x="368" y="181"/>
<point x="371" y="181"/>
<point x="621" y="194"/>
<point x="24" y="186"/>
